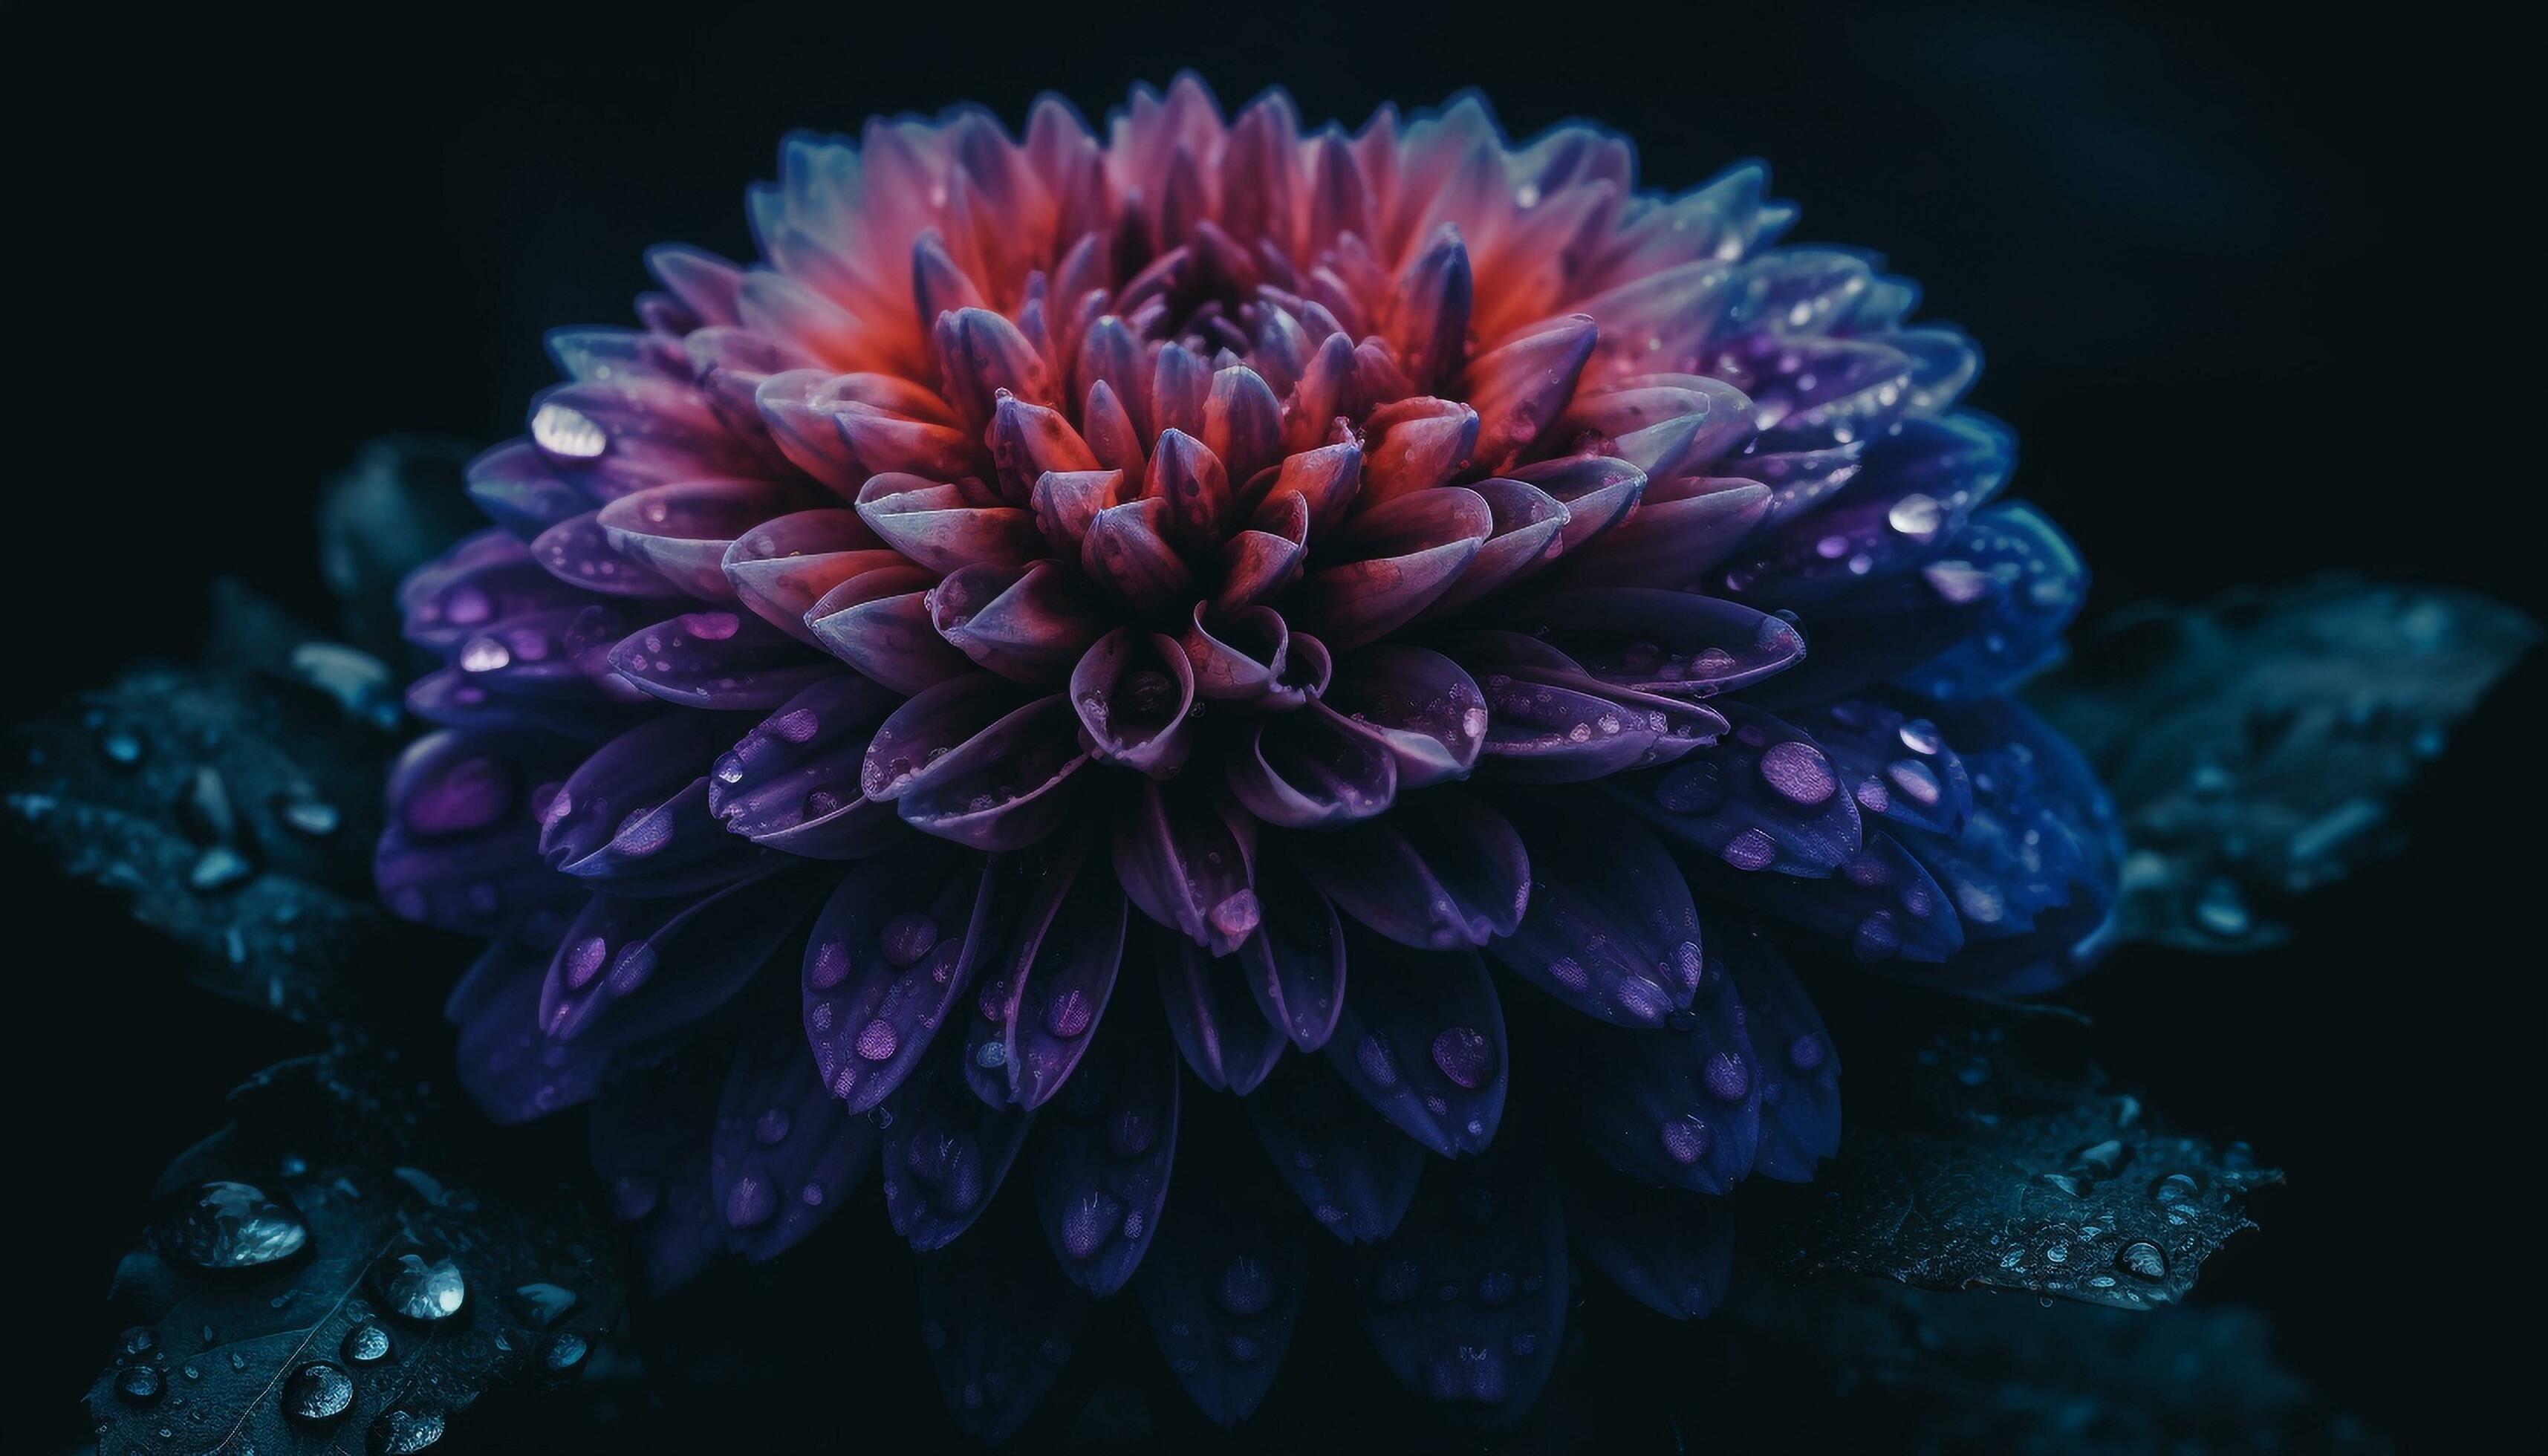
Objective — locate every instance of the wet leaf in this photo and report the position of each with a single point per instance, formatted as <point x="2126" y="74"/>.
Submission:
<point x="396" y="505"/>
<point x="2254" y="744"/>
<point x="1985" y="1170"/>
<point x="306" y="1285"/>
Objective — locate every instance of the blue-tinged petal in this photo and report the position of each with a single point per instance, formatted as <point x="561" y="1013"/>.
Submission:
<point x="998" y="1321"/>
<point x="1893" y="762"/>
<point x="1441" y="871"/>
<point x="1423" y="1039"/>
<point x="633" y="818"/>
<point x="1674" y="644"/>
<point x="791" y="783"/>
<point x="785" y="1151"/>
<point x="1671" y="1252"/>
<point x="945" y="1152"/>
<point x="629" y="971"/>
<point x="1793" y="1056"/>
<point x="1223" y="1289"/>
<point x="1102" y="1154"/>
<point x="1354" y="1171"/>
<point x="649" y="1140"/>
<point x="1611" y="930"/>
<point x="1678" y="1105"/>
<point x="1919" y="486"/>
<point x="1763" y="797"/>
<point x="1051" y="939"/>
<point x="1221" y="1032"/>
<point x="2034" y="586"/>
<point x="509" y="1069"/>
<point x="1467" y="1300"/>
<point x="890" y="955"/>
<point x="718" y="659"/>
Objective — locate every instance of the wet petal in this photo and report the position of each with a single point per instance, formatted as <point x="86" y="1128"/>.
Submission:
<point x="887" y="957"/>
<point x="1442" y="871"/>
<point x="1126" y="551"/>
<point x="1221" y="1032"/>
<point x="785" y="1151"/>
<point x="1031" y="442"/>
<point x="1328" y="479"/>
<point x="1919" y="486"/>
<point x="942" y="527"/>
<point x="1006" y="785"/>
<point x="1416" y="445"/>
<point x="510" y="1070"/>
<point x="1223" y="1289"/>
<point x="1611" y="931"/>
<point x="1528" y="533"/>
<point x="684" y="530"/>
<point x="718" y="659"/>
<point x="1424" y="707"/>
<point x="997" y="1320"/>
<point x="630" y="970"/>
<point x="1598" y="491"/>
<point x="1258" y="563"/>
<point x="1066" y="502"/>
<point x="1050" y="939"/>
<point x="1798" y="1065"/>
<point x="1680" y="1105"/>
<point x="634" y="816"/>
<point x="1296" y="958"/>
<point x="877" y="621"/>
<point x="945" y="1151"/>
<point x="1239" y="656"/>
<point x="1675" y="643"/>
<point x="1467" y="1300"/>
<point x="979" y="353"/>
<point x="1895" y="763"/>
<point x="1679" y="529"/>
<point x="791" y="783"/>
<point x="1763" y="797"/>
<point x="1519" y="388"/>
<point x="577" y="552"/>
<point x="1422" y="1041"/>
<point x="1428" y="323"/>
<point x="1353" y="1170"/>
<point x="1883" y="904"/>
<point x="1312" y="769"/>
<point x="1189" y="863"/>
<point x="1102" y="1154"/>
<point x="783" y="565"/>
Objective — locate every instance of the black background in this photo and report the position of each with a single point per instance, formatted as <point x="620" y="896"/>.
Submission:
<point x="2260" y="293"/>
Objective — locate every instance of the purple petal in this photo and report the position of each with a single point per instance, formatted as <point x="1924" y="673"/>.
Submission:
<point x="1611" y="931"/>
<point x="1668" y="643"/>
<point x="944" y="527"/>
<point x="1895" y="763"/>
<point x="1422" y="1041"/>
<point x="520" y="491"/>
<point x="1030" y="624"/>
<point x="1327" y="480"/>
<point x="683" y="532"/>
<point x="634" y="816"/>
<point x="1223" y="1035"/>
<point x="630" y="970"/>
<point x="1440" y="872"/>
<point x="1528" y="534"/>
<point x="877" y="621"/>
<point x="577" y="552"/>
<point x="1414" y="445"/>
<point x="998" y="1321"/>
<point x="1467" y="1300"/>
<point x="1884" y="904"/>
<point x="1102" y="1155"/>
<point x="1133" y="693"/>
<point x="1919" y="485"/>
<point x="1223" y="1289"/>
<point x="510" y="1070"/>
<point x="1353" y="1170"/>
<point x="887" y="959"/>
<point x="1242" y="424"/>
<point x="1314" y="768"/>
<point x="1518" y="388"/>
<point x="1667" y="425"/>
<point x="1031" y="442"/>
<point x="1679" y="529"/>
<point x="1681" y="1105"/>
<point x="487" y="578"/>
<point x="1189" y="862"/>
<point x="1066" y="503"/>
<point x="1798" y="1065"/>
<point x="1241" y="656"/>
<point x="792" y="783"/>
<point x="1420" y="704"/>
<point x="945" y="1152"/>
<point x="1764" y="797"/>
<point x="718" y="659"/>
<point x="1049" y="938"/>
<point x="1262" y="560"/>
<point x="1390" y="563"/>
<point x="1428" y="311"/>
<point x="492" y="884"/>
<point x="1127" y="552"/>
<point x="1296" y="959"/>
<point x="785" y="1151"/>
<point x="975" y="760"/>
<point x="649" y="1141"/>
<point x="783" y="565"/>
<point x="1672" y="1252"/>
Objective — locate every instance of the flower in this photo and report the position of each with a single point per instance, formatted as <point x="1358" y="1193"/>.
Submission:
<point x="1331" y="601"/>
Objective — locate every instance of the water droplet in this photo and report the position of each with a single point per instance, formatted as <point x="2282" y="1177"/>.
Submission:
<point x="139" y="1384"/>
<point x="2143" y="1260"/>
<point x="1466" y="1056"/>
<point x="1247" y="1288"/>
<point x="312" y="817"/>
<point x="907" y="938"/>
<point x="365" y="1344"/>
<point x="560" y="431"/>
<point x="403" y="1432"/>
<point x="319" y="1391"/>
<point x="566" y="1352"/>
<point x="423" y="1289"/>
<point x="219" y="868"/>
<point x="544" y="1304"/>
<point x="230" y="1225"/>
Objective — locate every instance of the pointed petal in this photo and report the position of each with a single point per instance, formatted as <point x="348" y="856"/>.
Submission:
<point x="997" y="1320"/>
<point x="877" y="621"/>
<point x="943" y="528"/>
<point x="1763" y="797"/>
<point x="1222" y="1035"/>
<point x="1424" y="707"/>
<point x="1133" y="693"/>
<point x="1442" y="871"/>
<point x="785" y="1151"/>
<point x="1519" y="388"/>
<point x="1422" y="1041"/>
<point x="1188" y="863"/>
<point x="1029" y="624"/>
<point x="886" y="959"/>
<point x="511" y="1071"/>
<point x="1610" y="931"/>
<point x="1353" y="1170"/>
<point x="1416" y="445"/>
<point x="1390" y="563"/>
<point x="946" y="1153"/>
<point x="783" y="565"/>
<point x="1681" y="1105"/>
<point x="791" y="783"/>
<point x="1467" y="1300"/>
<point x="634" y="816"/>
<point x="1314" y="768"/>
<point x="1101" y="1154"/>
<point x="718" y="659"/>
<point x="1053" y="938"/>
<point x="1675" y="644"/>
<point x="684" y="530"/>
<point x="1223" y="1289"/>
<point x="631" y="970"/>
<point x="1800" y="1067"/>
<point x="1126" y="551"/>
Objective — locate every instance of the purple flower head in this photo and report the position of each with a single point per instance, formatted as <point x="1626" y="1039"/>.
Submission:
<point x="1291" y="603"/>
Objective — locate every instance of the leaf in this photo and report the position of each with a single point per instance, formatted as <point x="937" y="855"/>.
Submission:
<point x="329" y="1347"/>
<point x="236" y="803"/>
<point x="2254" y="744"/>
<point x="1986" y="1171"/>
<point x="399" y="503"/>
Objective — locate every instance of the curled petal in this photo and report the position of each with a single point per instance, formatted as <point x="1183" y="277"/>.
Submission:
<point x="1126" y="551"/>
<point x="1467" y="1300"/>
<point x="887" y="959"/>
<point x="1545" y="729"/>
<point x="1440" y="872"/>
<point x="1258" y="563"/>
<point x="1680" y="1105"/>
<point x="1598" y="491"/>
<point x="683" y="530"/>
<point x="1296" y="959"/>
<point x="1191" y="479"/>
<point x="1219" y="1032"/>
<point x="1416" y="445"/>
<point x="1422" y="1041"/>
<point x="877" y="621"/>
<point x="791" y="783"/>
<point x="1313" y="770"/>
<point x="1102" y="1155"/>
<point x="1666" y="425"/>
<point x="1391" y="562"/>
<point x="1030" y="441"/>
<point x="1527" y="534"/>
<point x="718" y="659"/>
<point x="1006" y="785"/>
<point x="1066" y="503"/>
<point x="631" y="970"/>
<point x="980" y="355"/>
<point x="944" y="527"/>
<point x="784" y="565"/>
<point x="1328" y="479"/>
<point x="1673" y="644"/>
<point x="1244" y="657"/>
<point x="1427" y="325"/>
<point x="1241" y="422"/>
<point x="1223" y="1289"/>
<point x="1519" y="388"/>
<point x="1679" y="529"/>
<point x="946" y="1151"/>
<point x="1133" y="692"/>
<point x="1029" y="624"/>
<point x="1610" y="931"/>
<point x="785" y="1150"/>
<point x="1189" y="864"/>
<point x="1355" y="1172"/>
<point x="1421" y="706"/>
<point x="885" y="441"/>
<point x="1764" y="797"/>
<point x="634" y="816"/>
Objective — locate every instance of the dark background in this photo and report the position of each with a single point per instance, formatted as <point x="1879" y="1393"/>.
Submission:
<point x="2251" y="290"/>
